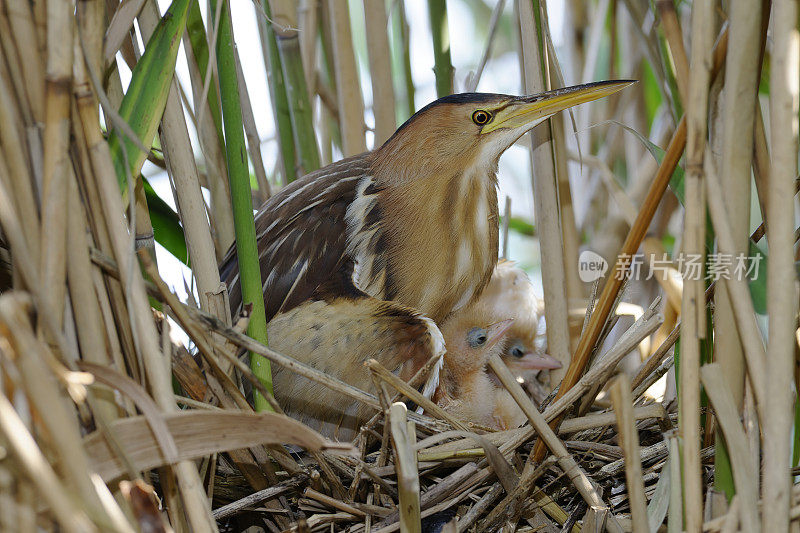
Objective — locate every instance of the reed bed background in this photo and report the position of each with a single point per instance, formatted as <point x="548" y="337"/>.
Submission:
<point x="107" y="423"/>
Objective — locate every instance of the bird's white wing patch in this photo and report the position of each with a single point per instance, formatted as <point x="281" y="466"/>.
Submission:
<point x="438" y="349"/>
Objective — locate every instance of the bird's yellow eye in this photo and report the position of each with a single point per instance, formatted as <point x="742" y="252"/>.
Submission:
<point x="481" y="117"/>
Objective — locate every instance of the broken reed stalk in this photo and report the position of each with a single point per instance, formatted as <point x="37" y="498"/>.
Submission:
<point x="781" y="276"/>
<point x="239" y="176"/>
<point x="693" y="311"/>
<point x="629" y="441"/>
<point x="403" y="437"/>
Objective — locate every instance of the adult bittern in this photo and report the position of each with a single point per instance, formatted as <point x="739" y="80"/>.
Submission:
<point x="413" y="221"/>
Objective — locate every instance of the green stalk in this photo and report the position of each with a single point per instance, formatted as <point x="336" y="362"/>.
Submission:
<point x="239" y="177"/>
<point x="146" y="96"/>
<point x="280" y="102"/>
<point x="401" y="62"/>
<point x="443" y="67"/>
<point x="297" y="94"/>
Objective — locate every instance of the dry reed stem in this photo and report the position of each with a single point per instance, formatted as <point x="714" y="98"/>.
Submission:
<point x="220" y="211"/>
<point x="675" y="512"/>
<point x="85" y="300"/>
<point x="380" y="62"/>
<point x="348" y="91"/>
<point x="629" y="441"/>
<point x="194" y="499"/>
<point x="693" y="326"/>
<point x="413" y="394"/>
<point x="575" y="288"/>
<point x="742" y="73"/>
<point x="57" y="167"/>
<point x="575" y="473"/>
<point x="12" y="72"/>
<point x="545" y="198"/>
<point x="32" y="66"/>
<point x="781" y="276"/>
<point x="738" y="292"/>
<point x="251" y="133"/>
<point x="674" y="35"/>
<point x="406" y="464"/>
<point x="654" y="410"/>
<point x="745" y="473"/>
<point x="22" y="445"/>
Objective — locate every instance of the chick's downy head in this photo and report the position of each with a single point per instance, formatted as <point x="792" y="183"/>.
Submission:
<point x="510" y="293"/>
<point x="471" y="339"/>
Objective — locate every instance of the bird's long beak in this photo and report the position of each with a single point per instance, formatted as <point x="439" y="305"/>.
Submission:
<point x="497" y="331"/>
<point x="528" y="111"/>
<point x="536" y="361"/>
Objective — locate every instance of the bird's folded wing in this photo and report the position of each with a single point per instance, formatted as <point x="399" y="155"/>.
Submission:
<point x="301" y="234"/>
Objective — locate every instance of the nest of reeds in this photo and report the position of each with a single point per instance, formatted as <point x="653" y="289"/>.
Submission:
<point x="108" y="424"/>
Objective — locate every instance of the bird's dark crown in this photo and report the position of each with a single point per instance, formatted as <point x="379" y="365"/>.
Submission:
<point x="456" y="99"/>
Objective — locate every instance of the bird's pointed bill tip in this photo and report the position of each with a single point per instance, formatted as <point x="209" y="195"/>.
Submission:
<point x="528" y="111"/>
<point x="536" y="361"/>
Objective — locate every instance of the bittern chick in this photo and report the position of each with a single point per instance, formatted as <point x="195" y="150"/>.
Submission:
<point x="510" y="293"/>
<point x="466" y="389"/>
<point x="413" y="221"/>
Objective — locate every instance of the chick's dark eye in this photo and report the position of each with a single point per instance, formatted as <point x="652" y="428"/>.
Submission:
<point x="517" y="352"/>
<point x="481" y="117"/>
<point x="476" y="337"/>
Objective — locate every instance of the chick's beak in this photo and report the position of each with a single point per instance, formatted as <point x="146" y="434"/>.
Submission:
<point x="528" y="111"/>
<point x="536" y="361"/>
<point x="497" y="331"/>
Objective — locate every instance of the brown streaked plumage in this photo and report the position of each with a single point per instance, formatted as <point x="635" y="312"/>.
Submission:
<point x="324" y="334"/>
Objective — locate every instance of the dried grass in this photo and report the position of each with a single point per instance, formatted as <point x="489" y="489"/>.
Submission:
<point x="94" y="436"/>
